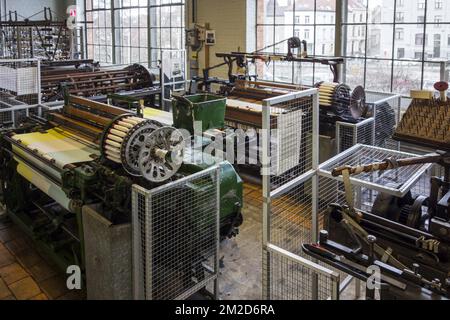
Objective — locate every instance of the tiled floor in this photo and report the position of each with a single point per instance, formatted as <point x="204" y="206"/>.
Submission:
<point x="24" y="273"/>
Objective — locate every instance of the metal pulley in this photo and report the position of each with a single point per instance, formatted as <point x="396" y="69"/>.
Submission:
<point x="341" y="100"/>
<point x="161" y="154"/>
<point x="358" y="107"/>
<point x="133" y="143"/>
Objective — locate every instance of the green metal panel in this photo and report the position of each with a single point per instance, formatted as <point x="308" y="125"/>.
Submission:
<point x="207" y="108"/>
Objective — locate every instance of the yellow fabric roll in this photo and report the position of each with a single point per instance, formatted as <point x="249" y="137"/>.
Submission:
<point x="46" y="186"/>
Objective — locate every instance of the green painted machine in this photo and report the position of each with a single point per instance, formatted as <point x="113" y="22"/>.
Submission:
<point x="92" y="153"/>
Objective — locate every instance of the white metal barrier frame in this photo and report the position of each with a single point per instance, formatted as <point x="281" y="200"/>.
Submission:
<point x="368" y="131"/>
<point x="174" y="82"/>
<point x="145" y="247"/>
<point x="9" y="113"/>
<point x="350" y="134"/>
<point x="307" y="279"/>
<point x="365" y="186"/>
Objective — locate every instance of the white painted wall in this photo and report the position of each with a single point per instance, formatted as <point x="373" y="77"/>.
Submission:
<point x="229" y="19"/>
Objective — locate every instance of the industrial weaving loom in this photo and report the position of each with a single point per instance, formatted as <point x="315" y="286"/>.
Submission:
<point x="91" y="154"/>
<point x="406" y="232"/>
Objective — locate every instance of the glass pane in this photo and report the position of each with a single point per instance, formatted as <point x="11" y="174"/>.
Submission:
<point x="357" y="11"/>
<point x="354" y="72"/>
<point x="284" y="12"/>
<point x="143" y="37"/>
<point x="438" y="9"/>
<point x="166" y="38"/>
<point x="379" y="41"/>
<point x="322" y="73"/>
<point x="264" y="70"/>
<point x="381" y="11"/>
<point x="266" y="12"/>
<point x="176" y="38"/>
<point x="378" y="75"/>
<point x="126" y="37"/>
<point x="405" y="42"/>
<point x="165" y="16"/>
<point x="155" y="38"/>
<point x="134" y="37"/>
<point x="282" y="33"/>
<point x="407" y="76"/>
<point x="303" y="73"/>
<point x="438" y="45"/>
<point x="431" y="75"/>
<point x="265" y="37"/>
<point x="135" y="55"/>
<point x="108" y="19"/>
<point x="325" y="40"/>
<point x="143" y="55"/>
<point x="356" y="41"/>
<point x="134" y="17"/>
<point x="176" y="16"/>
<point x="283" y="71"/>
<point x="410" y="11"/>
<point x="325" y="13"/>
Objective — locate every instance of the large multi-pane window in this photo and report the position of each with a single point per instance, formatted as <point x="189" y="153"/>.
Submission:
<point x="389" y="45"/>
<point x="133" y="31"/>
<point x="166" y="27"/>
<point x="99" y="37"/>
<point x="395" y="45"/>
<point x="309" y="20"/>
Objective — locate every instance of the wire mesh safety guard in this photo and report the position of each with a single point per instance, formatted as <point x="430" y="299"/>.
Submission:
<point x="176" y="237"/>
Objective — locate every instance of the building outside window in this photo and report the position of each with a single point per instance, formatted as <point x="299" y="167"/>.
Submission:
<point x="408" y="53"/>
<point x="99" y="34"/>
<point x="133" y="31"/>
<point x="399" y="34"/>
<point x="421" y="4"/>
<point x="388" y="47"/>
<point x="400" y="17"/>
<point x="277" y="21"/>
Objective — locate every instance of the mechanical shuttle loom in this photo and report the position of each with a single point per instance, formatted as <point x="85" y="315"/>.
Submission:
<point x="92" y="153"/>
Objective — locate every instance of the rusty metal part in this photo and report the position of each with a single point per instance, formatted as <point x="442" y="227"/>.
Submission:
<point x="261" y="89"/>
<point x="252" y="93"/>
<point x="105" y="109"/>
<point x="101" y="82"/>
<point x="97" y="119"/>
<point x="388" y="164"/>
<point x="85" y="117"/>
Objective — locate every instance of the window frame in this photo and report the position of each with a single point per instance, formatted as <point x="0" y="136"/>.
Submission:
<point x="311" y="26"/>
<point x="426" y="26"/>
<point x="145" y="51"/>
